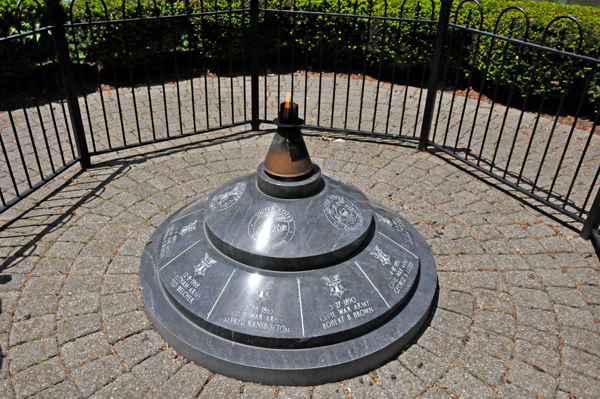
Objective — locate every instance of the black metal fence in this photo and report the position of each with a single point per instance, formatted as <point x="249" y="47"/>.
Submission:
<point x="92" y="80"/>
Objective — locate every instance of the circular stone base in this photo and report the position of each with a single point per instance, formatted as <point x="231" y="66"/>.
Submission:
<point x="298" y="327"/>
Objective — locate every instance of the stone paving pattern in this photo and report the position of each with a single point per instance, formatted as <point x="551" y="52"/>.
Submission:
<point x="111" y="120"/>
<point x="517" y="315"/>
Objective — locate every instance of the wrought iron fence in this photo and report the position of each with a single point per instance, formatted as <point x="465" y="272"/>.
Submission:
<point x="113" y="78"/>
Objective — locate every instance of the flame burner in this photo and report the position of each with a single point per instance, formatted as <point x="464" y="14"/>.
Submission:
<point x="287" y="276"/>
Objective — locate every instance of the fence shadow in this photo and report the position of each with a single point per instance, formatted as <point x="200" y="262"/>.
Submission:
<point x="121" y="166"/>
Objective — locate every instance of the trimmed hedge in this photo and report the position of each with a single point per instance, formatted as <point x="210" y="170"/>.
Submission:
<point x="353" y="45"/>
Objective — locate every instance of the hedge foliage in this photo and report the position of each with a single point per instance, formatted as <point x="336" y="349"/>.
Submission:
<point x="380" y="47"/>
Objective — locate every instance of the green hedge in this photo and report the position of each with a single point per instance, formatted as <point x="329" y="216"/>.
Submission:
<point x="387" y="46"/>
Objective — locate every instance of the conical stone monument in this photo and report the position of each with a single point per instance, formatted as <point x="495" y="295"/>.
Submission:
<point x="287" y="276"/>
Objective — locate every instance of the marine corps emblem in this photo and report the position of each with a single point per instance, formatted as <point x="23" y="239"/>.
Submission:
<point x="273" y="226"/>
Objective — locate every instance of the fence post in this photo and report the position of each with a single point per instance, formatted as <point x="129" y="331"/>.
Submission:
<point x="438" y="49"/>
<point x="254" y="63"/>
<point x="66" y="72"/>
<point x="593" y="218"/>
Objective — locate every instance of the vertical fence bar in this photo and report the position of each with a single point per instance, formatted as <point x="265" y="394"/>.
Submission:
<point x="254" y="65"/>
<point x="442" y="28"/>
<point x="62" y="52"/>
<point x="593" y="219"/>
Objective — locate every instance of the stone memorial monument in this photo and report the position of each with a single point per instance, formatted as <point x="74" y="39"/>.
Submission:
<point x="287" y="276"/>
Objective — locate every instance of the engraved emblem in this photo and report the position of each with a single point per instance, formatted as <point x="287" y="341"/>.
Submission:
<point x="272" y="227"/>
<point x="379" y="254"/>
<point x="383" y="219"/>
<point x="206" y="263"/>
<point x="227" y="197"/>
<point x="263" y="294"/>
<point x="402" y="229"/>
<point x="335" y="285"/>
<point x="186" y="229"/>
<point x="342" y="213"/>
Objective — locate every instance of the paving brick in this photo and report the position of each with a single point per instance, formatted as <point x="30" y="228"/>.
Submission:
<point x="81" y="285"/>
<point x="523" y="279"/>
<point x="487" y="368"/>
<point x="539" y="319"/>
<point x="491" y="343"/>
<point x="510" y="391"/>
<point x="530" y="379"/>
<point x="549" y="340"/>
<point x="76" y="305"/>
<point x="124" y="265"/>
<point x="440" y="344"/>
<point x="221" y="387"/>
<point x="63" y="249"/>
<point x="497" y="322"/>
<point x="34" y="328"/>
<point x="85" y="349"/>
<point x="573" y="317"/>
<point x="493" y="301"/>
<point x="9" y="300"/>
<point x="33" y="306"/>
<point x="136" y="348"/>
<point x="329" y="391"/>
<point x="293" y="393"/>
<point x="119" y="284"/>
<point x="12" y="282"/>
<point x="39" y="377"/>
<point x="398" y="382"/>
<point x="457" y="302"/>
<point x="48" y="285"/>
<point x="580" y="362"/>
<point x="591" y="294"/>
<point x="6" y="389"/>
<point x="31" y="353"/>
<point x="555" y="278"/>
<point x="585" y="276"/>
<point x="568" y="297"/>
<point x="78" y="326"/>
<point x="96" y="374"/>
<point x="119" y="327"/>
<point x="540" y="357"/>
<point x="461" y="383"/>
<point x="252" y="391"/>
<point x="455" y="282"/>
<point x="451" y="323"/>
<point x="185" y="384"/>
<point x="579" y="385"/>
<point x="425" y="365"/>
<point x="117" y="304"/>
<point x="581" y="339"/>
<point x="125" y="387"/>
<point x="154" y="371"/>
<point x="364" y="387"/>
<point x="64" y="390"/>
<point x="532" y="298"/>
<point x="48" y="266"/>
<point x="89" y="265"/>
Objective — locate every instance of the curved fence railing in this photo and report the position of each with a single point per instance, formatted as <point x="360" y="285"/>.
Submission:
<point x="516" y="100"/>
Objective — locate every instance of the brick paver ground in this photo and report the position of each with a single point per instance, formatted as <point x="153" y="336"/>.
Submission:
<point x="517" y="315"/>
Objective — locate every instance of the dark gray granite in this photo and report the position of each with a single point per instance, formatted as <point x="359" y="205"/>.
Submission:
<point x="287" y="291"/>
